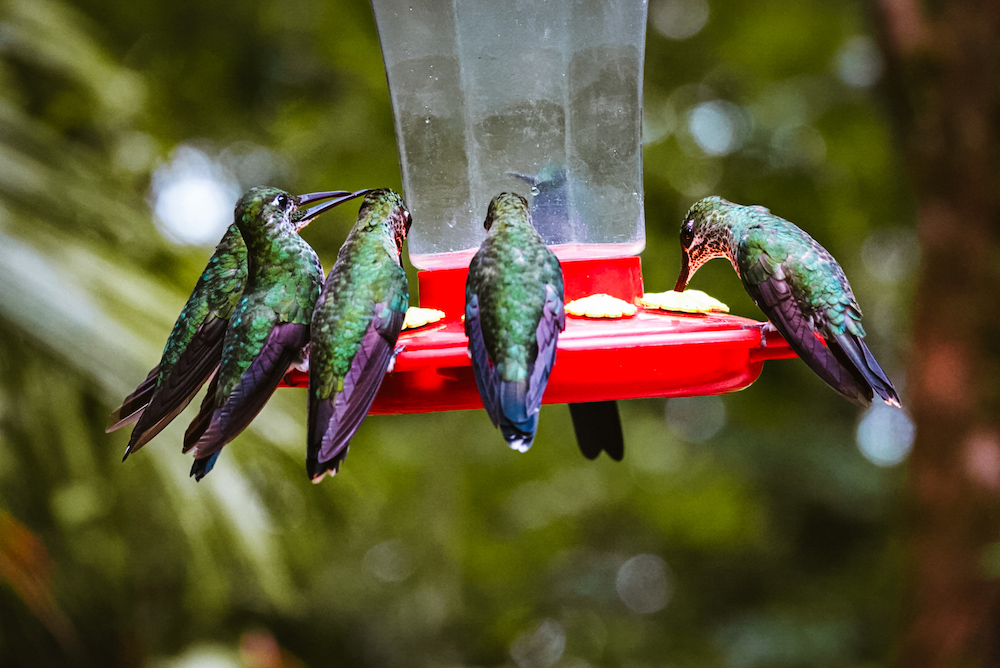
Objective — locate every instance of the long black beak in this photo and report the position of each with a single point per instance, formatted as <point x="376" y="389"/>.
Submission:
<point x="682" y="280"/>
<point x="339" y="197"/>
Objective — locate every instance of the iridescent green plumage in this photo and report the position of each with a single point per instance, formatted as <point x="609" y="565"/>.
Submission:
<point x="354" y="329"/>
<point x="269" y="326"/>
<point x="799" y="286"/>
<point x="215" y="295"/>
<point x="511" y="302"/>
<point x="513" y="316"/>
<point x="193" y="349"/>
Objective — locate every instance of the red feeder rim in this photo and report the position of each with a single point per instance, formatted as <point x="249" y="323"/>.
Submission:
<point x="652" y="354"/>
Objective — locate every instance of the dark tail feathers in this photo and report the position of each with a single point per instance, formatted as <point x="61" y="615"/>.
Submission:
<point x="134" y="404"/>
<point x="518" y="428"/>
<point x="854" y="353"/>
<point x="598" y="428"/>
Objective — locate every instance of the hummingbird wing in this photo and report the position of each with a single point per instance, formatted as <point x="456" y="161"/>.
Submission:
<point x="482" y="368"/>
<point x="598" y="427"/>
<point x="333" y="421"/>
<point x="766" y="277"/>
<point x="196" y="365"/>
<point x="217" y="424"/>
<point x="193" y="349"/>
<point x="552" y="322"/>
<point x="520" y="401"/>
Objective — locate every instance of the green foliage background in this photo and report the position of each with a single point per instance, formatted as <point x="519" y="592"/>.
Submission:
<point x="777" y="534"/>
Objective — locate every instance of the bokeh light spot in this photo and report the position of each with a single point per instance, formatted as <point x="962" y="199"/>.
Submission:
<point x="891" y="255"/>
<point x="885" y="435"/>
<point x="859" y="63"/>
<point x="643" y="584"/>
<point x="193" y="197"/>
<point x="716" y="127"/>
<point x="389" y="561"/>
<point x="679" y="19"/>
<point x="540" y="648"/>
<point x="696" y="419"/>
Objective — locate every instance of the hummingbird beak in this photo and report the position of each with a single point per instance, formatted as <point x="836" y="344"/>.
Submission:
<point x="527" y="178"/>
<point x="340" y="196"/>
<point x="309" y="198"/>
<point x="682" y="280"/>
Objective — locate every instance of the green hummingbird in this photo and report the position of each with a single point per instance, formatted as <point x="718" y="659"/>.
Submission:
<point x="797" y="284"/>
<point x="355" y="325"/>
<point x="513" y="316"/>
<point x="269" y="326"/>
<point x="194" y="348"/>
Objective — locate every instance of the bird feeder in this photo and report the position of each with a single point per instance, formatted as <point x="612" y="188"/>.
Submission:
<point x="543" y="99"/>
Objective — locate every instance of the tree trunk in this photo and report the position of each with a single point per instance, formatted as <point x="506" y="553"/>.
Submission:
<point x="943" y="72"/>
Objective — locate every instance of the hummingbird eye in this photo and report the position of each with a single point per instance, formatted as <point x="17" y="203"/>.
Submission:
<point x="281" y="201"/>
<point x="408" y="221"/>
<point x="687" y="234"/>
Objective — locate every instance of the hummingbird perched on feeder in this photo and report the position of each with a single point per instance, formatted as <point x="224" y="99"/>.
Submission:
<point x="597" y="424"/>
<point x="354" y="329"/>
<point x="269" y="327"/>
<point x="797" y="284"/>
<point x="194" y="348"/>
<point x="513" y="315"/>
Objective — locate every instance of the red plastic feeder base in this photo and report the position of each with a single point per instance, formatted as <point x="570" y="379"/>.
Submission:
<point x="652" y="354"/>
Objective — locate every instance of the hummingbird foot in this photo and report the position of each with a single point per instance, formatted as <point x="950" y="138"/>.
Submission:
<point x="392" y="360"/>
<point x="302" y="361"/>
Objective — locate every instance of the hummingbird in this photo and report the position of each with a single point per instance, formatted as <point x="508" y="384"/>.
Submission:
<point x="269" y="326"/>
<point x="797" y="284"/>
<point x="355" y="325"/>
<point x="550" y="203"/>
<point x="513" y="316"/>
<point x="194" y="348"/>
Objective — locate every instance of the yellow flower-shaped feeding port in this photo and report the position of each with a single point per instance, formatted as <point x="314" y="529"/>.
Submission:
<point x="418" y="317"/>
<point x="600" y="306"/>
<point x="688" y="301"/>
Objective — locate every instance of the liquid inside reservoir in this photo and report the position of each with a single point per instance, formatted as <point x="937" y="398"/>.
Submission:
<point x="538" y="98"/>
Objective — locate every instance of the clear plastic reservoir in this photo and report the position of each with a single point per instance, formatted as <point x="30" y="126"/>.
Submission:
<point x="542" y="98"/>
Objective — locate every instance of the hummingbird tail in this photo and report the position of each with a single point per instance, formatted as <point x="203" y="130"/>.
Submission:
<point x="517" y="423"/>
<point x="201" y="467"/>
<point x="134" y="404"/>
<point x="321" y="417"/>
<point x="598" y="428"/>
<point x="828" y="362"/>
<point x="217" y="425"/>
<point x="334" y="421"/>
<point x="860" y="359"/>
<point x="193" y="368"/>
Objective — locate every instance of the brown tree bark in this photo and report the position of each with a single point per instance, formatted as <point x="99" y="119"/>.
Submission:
<point x="943" y="73"/>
